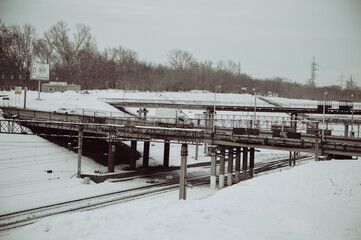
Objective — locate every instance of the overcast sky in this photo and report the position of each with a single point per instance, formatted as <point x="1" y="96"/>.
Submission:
<point x="268" y="37"/>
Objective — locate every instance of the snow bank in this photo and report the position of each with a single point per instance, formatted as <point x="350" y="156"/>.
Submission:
<point x="319" y="200"/>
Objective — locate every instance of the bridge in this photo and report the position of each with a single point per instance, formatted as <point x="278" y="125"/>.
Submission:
<point x="330" y="108"/>
<point x="225" y="138"/>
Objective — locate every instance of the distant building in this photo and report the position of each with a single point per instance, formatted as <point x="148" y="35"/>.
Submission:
<point x="243" y="90"/>
<point x="59" y="87"/>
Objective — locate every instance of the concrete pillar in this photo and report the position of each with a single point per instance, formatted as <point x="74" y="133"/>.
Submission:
<point x="183" y="173"/>
<point x="238" y="165"/>
<point x="290" y="159"/>
<point x="230" y="167"/>
<point x="166" y="154"/>
<point x="316" y="146"/>
<point x="146" y="154"/>
<point x="80" y="149"/>
<point x="244" y="163"/>
<point x="111" y="154"/>
<point x="213" y="168"/>
<point x="251" y="162"/>
<point x="221" y="167"/>
<point x="205" y="148"/>
<point x="133" y="150"/>
<point x="196" y="152"/>
<point x="294" y="158"/>
<point x="346" y="130"/>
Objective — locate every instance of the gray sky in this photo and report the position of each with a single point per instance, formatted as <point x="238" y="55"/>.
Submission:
<point x="268" y="37"/>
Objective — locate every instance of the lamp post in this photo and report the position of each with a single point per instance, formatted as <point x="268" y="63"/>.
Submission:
<point x="255" y="108"/>
<point x="214" y="107"/>
<point x="323" y="115"/>
<point x="352" y="133"/>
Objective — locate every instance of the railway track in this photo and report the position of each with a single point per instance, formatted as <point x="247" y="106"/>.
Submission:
<point x="27" y="217"/>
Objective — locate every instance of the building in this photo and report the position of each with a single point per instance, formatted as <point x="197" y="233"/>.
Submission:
<point x="59" y="87"/>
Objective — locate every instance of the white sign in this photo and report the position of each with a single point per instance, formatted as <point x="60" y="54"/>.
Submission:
<point x="18" y="90"/>
<point x="58" y="84"/>
<point x="39" y="71"/>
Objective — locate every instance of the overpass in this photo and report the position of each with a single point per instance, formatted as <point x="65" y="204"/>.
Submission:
<point x="229" y="140"/>
<point x="121" y="103"/>
<point x="287" y="135"/>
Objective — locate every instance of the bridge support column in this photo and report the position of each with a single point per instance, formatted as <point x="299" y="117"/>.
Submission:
<point x="213" y="168"/>
<point x="290" y="159"/>
<point x="244" y="163"/>
<point x="111" y="154"/>
<point x="238" y="165"/>
<point x="346" y="130"/>
<point x="133" y="149"/>
<point x="230" y="167"/>
<point x="183" y="173"/>
<point x="251" y="162"/>
<point x="146" y="154"/>
<point x="294" y="158"/>
<point x="80" y="149"/>
<point x="316" y="145"/>
<point x="166" y="153"/>
<point x="196" y="152"/>
<point x="205" y="148"/>
<point x="222" y="166"/>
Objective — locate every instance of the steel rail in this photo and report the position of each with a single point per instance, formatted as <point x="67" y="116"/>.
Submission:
<point x="22" y="218"/>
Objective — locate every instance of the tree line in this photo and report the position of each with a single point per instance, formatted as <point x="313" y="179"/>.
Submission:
<point x="75" y="58"/>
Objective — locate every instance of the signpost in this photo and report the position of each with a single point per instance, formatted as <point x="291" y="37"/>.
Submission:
<point x="39" y="72"/>
<point x="17" y="94"/>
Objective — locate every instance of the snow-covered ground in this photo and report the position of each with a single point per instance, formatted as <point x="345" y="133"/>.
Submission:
<point x="317" y="200"/>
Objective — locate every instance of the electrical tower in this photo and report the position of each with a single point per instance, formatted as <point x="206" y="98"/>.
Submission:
<point x="312" y="80"/>
<point x="341" y="80"/>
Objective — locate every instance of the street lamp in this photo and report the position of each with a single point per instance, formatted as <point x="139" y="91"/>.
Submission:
<point x="323" y="115"/>
<point x="255" y="108"/>
<point x="214" y="106"/>
<point x="352" y="133"/>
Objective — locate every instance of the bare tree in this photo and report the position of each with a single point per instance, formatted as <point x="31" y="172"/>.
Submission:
<point x="64" y="50"/>
<point x="181" y="60"/>
<point x="22" y="47"/>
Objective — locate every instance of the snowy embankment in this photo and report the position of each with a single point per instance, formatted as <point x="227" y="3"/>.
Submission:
<point x="318" y="200"/>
